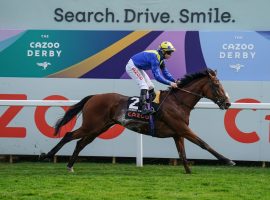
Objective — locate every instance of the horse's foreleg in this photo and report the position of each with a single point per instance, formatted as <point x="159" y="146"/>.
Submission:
<point x="80" y="146"/>
<point x="67" y="138"/>
<point x="179" y="141"/>
<point x="196" y="140"/>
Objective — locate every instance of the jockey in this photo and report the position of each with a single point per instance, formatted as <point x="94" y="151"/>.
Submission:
<point x="154" y="60"/>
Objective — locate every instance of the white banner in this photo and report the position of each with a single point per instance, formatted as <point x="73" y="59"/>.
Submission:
<point x="135" y="15"/>
<point x="236" y="133"/>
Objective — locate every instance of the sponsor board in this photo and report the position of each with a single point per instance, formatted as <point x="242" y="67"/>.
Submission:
<point x="63" y="64"/>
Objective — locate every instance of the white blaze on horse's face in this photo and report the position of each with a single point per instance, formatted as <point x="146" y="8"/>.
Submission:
<point x="227" y="95"/>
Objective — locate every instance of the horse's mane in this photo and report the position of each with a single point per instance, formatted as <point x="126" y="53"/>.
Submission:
<point x="191" y="77"/>
<point x="188" y="78"/>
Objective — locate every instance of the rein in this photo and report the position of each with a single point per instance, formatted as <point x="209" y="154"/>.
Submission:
<point x="187" y="91"/>
<point x="184" y="90"/>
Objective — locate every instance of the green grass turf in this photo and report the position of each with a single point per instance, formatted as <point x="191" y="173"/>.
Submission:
<point x="126" y="181"/>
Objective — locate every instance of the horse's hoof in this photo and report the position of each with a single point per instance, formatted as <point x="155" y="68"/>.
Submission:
<point x="70" y="169"/>
<point x="231" y="163"/>
<point x="188" y="171"/>
<point x="44" y="157"/>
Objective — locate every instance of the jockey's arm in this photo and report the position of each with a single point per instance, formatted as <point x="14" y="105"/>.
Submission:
<point x="157" y="74"/>
<point x="167" y="74"/>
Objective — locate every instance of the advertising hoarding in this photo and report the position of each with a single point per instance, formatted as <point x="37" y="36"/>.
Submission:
<point x="61" y="50"/>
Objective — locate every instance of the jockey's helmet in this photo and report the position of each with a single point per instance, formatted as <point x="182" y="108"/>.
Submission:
<point x="166" y="46"/>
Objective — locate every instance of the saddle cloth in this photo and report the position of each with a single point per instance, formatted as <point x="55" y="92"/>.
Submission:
<point x="134" y="109"/>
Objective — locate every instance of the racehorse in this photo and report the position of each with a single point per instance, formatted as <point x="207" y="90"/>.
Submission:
<point x="101" y="111"/>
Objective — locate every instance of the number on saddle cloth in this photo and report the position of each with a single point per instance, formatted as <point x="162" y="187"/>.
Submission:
<point x="134" y="112"/>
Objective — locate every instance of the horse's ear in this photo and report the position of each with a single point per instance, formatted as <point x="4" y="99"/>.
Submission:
<point x="212" y="73"/>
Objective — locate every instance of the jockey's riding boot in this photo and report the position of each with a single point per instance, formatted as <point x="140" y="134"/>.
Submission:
<point x="145" y="110"/>
<point x="152" y="95"/>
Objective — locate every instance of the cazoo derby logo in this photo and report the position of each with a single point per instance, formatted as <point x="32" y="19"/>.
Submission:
<point x="237" y="53"/>
<point x="44" y="50"/>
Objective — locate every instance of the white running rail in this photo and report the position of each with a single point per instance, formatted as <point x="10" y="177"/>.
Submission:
<point x="139" y="156"/>
<point x="200" y="105"/>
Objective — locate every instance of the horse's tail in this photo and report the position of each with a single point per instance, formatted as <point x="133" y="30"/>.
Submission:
<point x="73" y="111"/>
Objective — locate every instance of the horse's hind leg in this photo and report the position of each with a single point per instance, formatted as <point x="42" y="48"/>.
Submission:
<point x="180" y="145"/>
<point x="69" y="136"/>
<point x="80" y="146"/>
<point x="91" y="135"/>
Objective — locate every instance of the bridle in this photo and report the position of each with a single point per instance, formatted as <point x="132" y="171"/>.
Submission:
<point x="217" y="99"/>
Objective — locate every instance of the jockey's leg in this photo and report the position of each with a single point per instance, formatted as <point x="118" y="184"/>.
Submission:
<point x="152" y="94"/>
<point x="136" y="75"/>
<point x="150" y="85"/>
<point x="145" y="109"/>
<point x="143" y="102"/>
<point x="151" y="90"/>
<point x="141" y="78"/>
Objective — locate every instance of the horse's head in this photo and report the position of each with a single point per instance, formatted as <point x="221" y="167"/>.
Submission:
<point x="215" y="91"/>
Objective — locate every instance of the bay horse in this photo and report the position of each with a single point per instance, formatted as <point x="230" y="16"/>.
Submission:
<point x="101" y="111"/>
